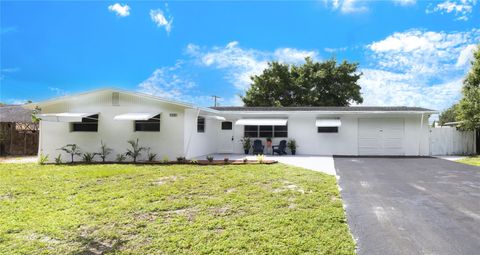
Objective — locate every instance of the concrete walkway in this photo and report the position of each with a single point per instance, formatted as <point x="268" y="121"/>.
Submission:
<point x="324" y="164"/>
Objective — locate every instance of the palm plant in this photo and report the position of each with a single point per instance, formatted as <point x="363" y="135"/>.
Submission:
<point x="135" y="151"/>
<point x="104" y="151"/>
<point x="71" y="149"/>
<point x="88" y="157"/>
<point x="150" y="155"/>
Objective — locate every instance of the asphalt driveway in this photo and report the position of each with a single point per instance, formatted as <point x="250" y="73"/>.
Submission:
<point x="411" y="205"/>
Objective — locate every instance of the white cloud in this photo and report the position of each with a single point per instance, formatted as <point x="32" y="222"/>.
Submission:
<point x="417" y="68"/>
<point x="466" y="55"/>
<point x="162" y="19"/>
<point x="347" y="6"/>
<point x="119" y="9"/>
<point x="405" y="2"/>
<point x="462" y="9"/>
<point x="5" y="71"/>
<point x="241" y="63"/>
<point x="58" y="91"/>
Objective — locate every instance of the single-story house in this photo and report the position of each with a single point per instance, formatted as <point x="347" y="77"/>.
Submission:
<point x="175" y="129"/>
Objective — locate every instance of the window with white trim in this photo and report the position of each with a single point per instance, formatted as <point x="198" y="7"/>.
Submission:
<point x="265" y="131"/>
<point x="150" y="125"/>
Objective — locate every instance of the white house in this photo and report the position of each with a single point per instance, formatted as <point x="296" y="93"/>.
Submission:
<point x="178" y="129"/>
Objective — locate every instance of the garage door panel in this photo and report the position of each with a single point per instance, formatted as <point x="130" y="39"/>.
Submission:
<point x="381" y="136"/>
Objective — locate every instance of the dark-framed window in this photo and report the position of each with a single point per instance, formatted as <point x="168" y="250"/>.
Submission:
<point x="327" y="129"/>
<point x="265" y="131"/>
<point x="227" y="125"/>
<point x="88" y="124"/>
<point x="200" y="125"/>
<point x="150" y="125"/>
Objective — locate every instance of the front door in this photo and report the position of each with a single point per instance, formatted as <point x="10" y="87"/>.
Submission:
<point x="226" y="137"/>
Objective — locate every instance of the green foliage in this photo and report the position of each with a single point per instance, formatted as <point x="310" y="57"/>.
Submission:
<point x="226" y="160"/>
<point x="151" y="156"/>
<point x="175" y="209"/>
<point x="292" y="144"/>
<point x="245" y="160"/>
<point x="468" y="110"/>
<point x="71" y="149"/>
<point x="135" y="151"/>
<point x="35" y="112"/>
<point x="165" y="159"/>
<point x="58" y="159"/>
<point x="42" y="159"/>
<point x="210" y="159"/>
<point x="475" y="161"/>
<point x="88" y="157"/>
<point x="104" y="151"/>
<point x="449" y="115"/>
<point x="311" y="84"/>
<point x="120" y="157"/>
<point x="246" y="143"/>
<point x="181" y="159"/>
<point x="194" y="161"/>
<point x="260" y="158"/>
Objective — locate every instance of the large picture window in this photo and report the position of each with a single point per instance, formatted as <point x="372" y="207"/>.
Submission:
<point x="88" y="124"/>
<point x="265" y="131"/>
<point x="200" y="125"/>
<point x="150" y="125"/>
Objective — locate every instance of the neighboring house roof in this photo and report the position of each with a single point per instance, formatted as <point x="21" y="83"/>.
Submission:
<point x="324" y="109"/>
<point x="15" y="113"/>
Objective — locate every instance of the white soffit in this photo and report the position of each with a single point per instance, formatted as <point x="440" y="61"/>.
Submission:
<point x="65" y="116"/>
<point x="328" y="123"/>
<point x="262" y="122"/>
<point x="136" y="116"/>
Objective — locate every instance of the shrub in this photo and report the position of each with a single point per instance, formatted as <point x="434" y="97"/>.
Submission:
<point x="181" y="159"/>
<point x="42" y="159"/>
<point x="225" y="160"/>
<point x="88" y="157"/>
<point x="135" y="151"/>
<point x="165" y="159"/>
<point x="194" y="161"/>
<point x="245" y="160"/>
<point x="71" y="149"/>
<point x="261" y="158"/>
<point x="210" y="159"/>
<point x="151" y="156"/>
<point x="120" y="157"/>
<point x="104" y="151"/>
<point x="58" y="159"/>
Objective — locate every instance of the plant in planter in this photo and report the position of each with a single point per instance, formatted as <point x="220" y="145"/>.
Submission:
<point x="71" y="149"/>
<point x="292" y="145"/>
<point x="247" y="144"/>
<point x="210" y="159"/>
<point x="104" y="151"/>
<point x="88" y="157"/>
<point x="269" y="142"/>
<point x="135" y="151"/>
<point x="120" y="158"/>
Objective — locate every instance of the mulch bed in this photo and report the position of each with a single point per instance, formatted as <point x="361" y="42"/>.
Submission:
<point x="187" y="162"/>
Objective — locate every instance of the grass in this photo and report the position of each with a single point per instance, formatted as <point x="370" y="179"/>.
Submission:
<point x="471" y="161"/>
<point x="177" y="209"/>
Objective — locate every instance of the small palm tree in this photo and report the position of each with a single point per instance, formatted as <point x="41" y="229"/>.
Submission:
<point x="135" y="151"/>
<point x="104" y="151"/>
<point x="71" y="149"/>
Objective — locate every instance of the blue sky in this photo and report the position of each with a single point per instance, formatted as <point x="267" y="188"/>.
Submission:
<point x="410" y="52"/>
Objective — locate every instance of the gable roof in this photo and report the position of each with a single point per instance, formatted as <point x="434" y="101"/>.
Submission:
<point x="398" y="109"/>
<point x="15" y="113"/>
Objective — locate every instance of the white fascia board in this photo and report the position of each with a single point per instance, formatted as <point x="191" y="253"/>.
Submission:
<point x="136" y="116"/>
<point x="64" y="116"/>
<point x="328" y="123"/>
<point x="261" y="122"/>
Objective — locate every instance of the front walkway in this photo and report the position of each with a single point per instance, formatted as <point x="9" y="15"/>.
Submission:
<point x="324" y="164"/>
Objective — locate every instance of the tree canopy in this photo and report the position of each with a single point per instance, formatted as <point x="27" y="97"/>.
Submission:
<point x="310" y="84"/>
<point x="448" y="115"/>
<point x="469" y="107"/>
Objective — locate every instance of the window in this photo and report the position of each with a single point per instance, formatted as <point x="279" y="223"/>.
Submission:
<point x="227" y="125"/>
<point x="88" y="124"/>
<point x="150" y="125"/>
<point x="327" y="129"/>
<point x="200" y="125"/>
<point x="266" y="131"/>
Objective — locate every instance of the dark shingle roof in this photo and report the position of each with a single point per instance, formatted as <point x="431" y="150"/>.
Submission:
<point x="325" y="108"/>
<point x="15" y="113"/>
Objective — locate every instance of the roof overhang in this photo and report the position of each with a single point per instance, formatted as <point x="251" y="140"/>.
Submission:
<point x="262" y="122"/>
<point x="65" y="116"/>
<point x="328" y="123"/>
<point x="136" y="116"/>
<point x="215" y="117"/>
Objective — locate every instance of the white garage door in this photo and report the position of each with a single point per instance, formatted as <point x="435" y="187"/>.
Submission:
<point x="381" y="136"/>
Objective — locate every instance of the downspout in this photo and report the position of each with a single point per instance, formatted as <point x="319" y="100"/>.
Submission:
<point x="187" y="149"/>
<point x="420" y="133"/>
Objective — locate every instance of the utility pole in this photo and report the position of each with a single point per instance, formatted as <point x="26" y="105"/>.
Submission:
<point x="215" y="100"/>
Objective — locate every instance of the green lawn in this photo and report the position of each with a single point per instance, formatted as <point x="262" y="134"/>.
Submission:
<point x="471" y="161"/>
<point x="178" y="209"/>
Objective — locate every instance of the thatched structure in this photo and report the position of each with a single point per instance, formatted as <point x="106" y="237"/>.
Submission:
<point x="18" y="134"/>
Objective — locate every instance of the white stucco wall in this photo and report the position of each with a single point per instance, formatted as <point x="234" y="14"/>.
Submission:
<point x="199" y="144"/>
<point x="168" y="142"/>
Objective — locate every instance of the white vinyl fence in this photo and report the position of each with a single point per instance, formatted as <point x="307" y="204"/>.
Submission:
<point x="450" y="141"/>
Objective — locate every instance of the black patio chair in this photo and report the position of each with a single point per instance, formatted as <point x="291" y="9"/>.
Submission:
<point x="280" y="149"/>
<point x="257" y="147"/>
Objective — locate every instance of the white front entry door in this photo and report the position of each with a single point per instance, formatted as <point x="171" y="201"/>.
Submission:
<point x="381" y="136"/>
<point x="226" y="137"/>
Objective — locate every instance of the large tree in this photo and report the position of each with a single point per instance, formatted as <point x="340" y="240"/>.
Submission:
<point x="448" y="115"/>
<point x="310" y="84"/>
<point x="469" y="107"/>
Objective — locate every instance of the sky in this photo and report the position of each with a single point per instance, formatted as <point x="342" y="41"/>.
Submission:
<point x="412" y="53"/>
